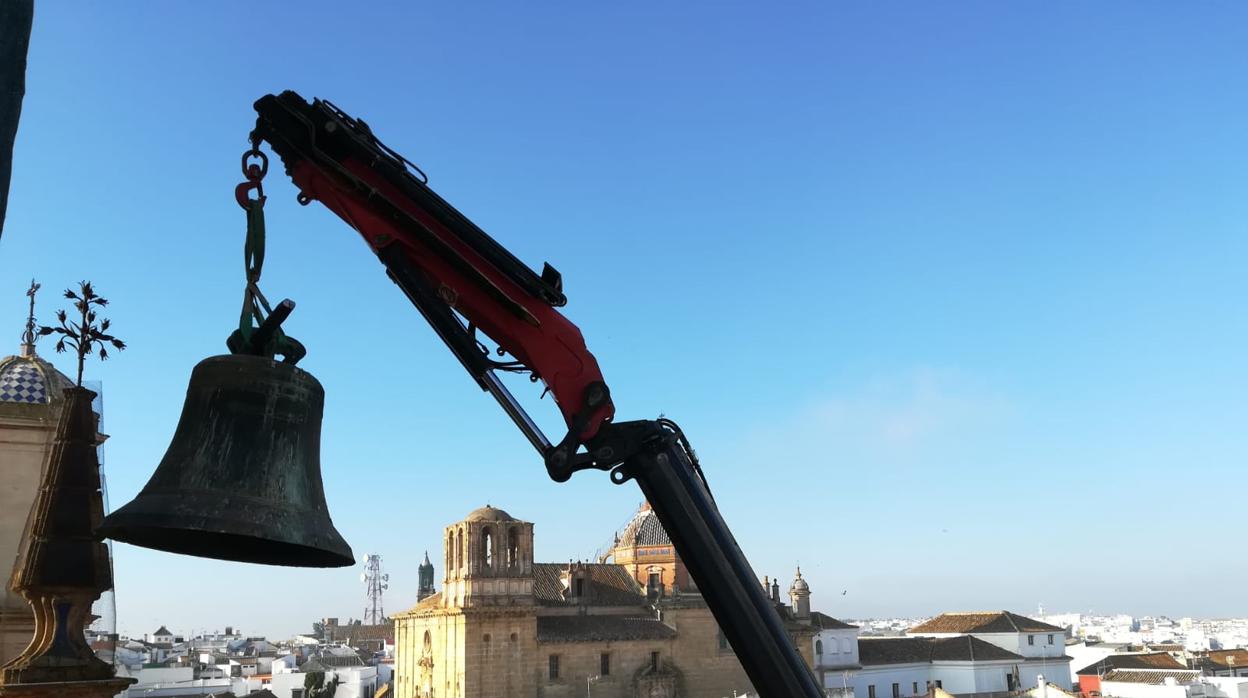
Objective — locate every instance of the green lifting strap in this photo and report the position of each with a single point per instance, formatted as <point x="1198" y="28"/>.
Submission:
<point x="240" y="341"/>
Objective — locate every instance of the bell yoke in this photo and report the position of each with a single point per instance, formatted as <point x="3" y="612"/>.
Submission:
<point x="241" y="479"/>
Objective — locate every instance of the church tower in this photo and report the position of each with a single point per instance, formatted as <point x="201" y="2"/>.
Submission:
<point x="799" y="594"/>
<point x="489" y="560"/>
<point x="424" y="577"/>
<point x="478" y="636"/>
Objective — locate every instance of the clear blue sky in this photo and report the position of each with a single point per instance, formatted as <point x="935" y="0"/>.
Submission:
<point x="950" y="297"/>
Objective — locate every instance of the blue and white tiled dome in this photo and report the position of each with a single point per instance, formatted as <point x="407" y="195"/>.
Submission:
<point x="30" y="380"/>
<point x="644" y="530"/>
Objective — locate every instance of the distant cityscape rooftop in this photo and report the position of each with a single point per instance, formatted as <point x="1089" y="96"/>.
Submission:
<point x="984" y="622"/>
<point x="908" y="650"/>
<point x="1154" y="677"/>
<point x="1151" y="660"/>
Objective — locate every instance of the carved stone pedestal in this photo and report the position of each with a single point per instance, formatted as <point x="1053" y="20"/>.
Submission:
<point x="62" y="569"/>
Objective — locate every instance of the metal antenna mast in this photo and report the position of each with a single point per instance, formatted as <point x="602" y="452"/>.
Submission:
<point x="375" y="583"/>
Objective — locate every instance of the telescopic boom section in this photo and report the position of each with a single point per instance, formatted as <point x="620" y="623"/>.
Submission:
<point x="441" y="259"/>
<point x="462" y="281"/>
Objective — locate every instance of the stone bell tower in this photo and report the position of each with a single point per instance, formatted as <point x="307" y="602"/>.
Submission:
<point x="489" y="560"/>
<point x="478" y="637"/>
<point x="799" y="594"/>
<point x="424" y="577"/>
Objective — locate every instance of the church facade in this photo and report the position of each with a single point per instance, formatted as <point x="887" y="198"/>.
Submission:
<point x="505" y="625"/>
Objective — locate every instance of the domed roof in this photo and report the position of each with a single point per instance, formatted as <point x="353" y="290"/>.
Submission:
<point x="29" y="380"/>
<point x="489" y="513"/>
<point x="644" y="529"/>
<point x="799" y="584"/>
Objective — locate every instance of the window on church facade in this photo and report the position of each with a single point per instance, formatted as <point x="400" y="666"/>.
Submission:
<point x="871" y="691"/>
<point x="654" y="661"/>
<point x="513" y="547"/>
<point x="914" y="688"/>
<point x="604" y="664"/>
<point x="818" y="646"/>
<point x="580" y="587"/>
<point x="896" y="690"/>
<point x="553" y="667"/>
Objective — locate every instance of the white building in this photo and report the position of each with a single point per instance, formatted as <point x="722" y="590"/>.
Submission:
<point x="836" y="654"/>
<point x="901" y="667"/>
<point x="1152" y="683"/>
<point x="1024" y="636"/>
<point x="957" y="652"/>
<point x="1086" y="654"/>
<point x="355" y="679"/>
<point x="162" y="637"/>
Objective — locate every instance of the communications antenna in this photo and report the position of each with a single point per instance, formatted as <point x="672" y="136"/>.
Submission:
<point x="375" y="584"/>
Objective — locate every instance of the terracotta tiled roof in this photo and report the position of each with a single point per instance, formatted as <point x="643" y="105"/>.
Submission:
<point x="983" y="622"/>
<point x="1151" y="676"/>
<point x="894" y="650"/>
<point x="1154" y="660"/>
<point x="825" y="622"/>
<point x="1222" y="658"/>
<point x="337" y="661"/>
<point x="359" y="633"/>
<point x="608" y="585"/>
<point x="967" y="648"/>
<point x="907" y="650"/>
<point x="601" y="629"/>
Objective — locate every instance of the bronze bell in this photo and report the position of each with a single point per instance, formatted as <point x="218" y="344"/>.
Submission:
<point x="242" y="477"/>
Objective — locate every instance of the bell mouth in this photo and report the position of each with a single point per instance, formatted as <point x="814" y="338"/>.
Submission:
<point x="228" y="546"/>
<point x="208" y="526"/>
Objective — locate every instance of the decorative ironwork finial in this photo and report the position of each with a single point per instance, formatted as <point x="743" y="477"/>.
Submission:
<point x="31" y="335"/>
<point x="85" y="335"/>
